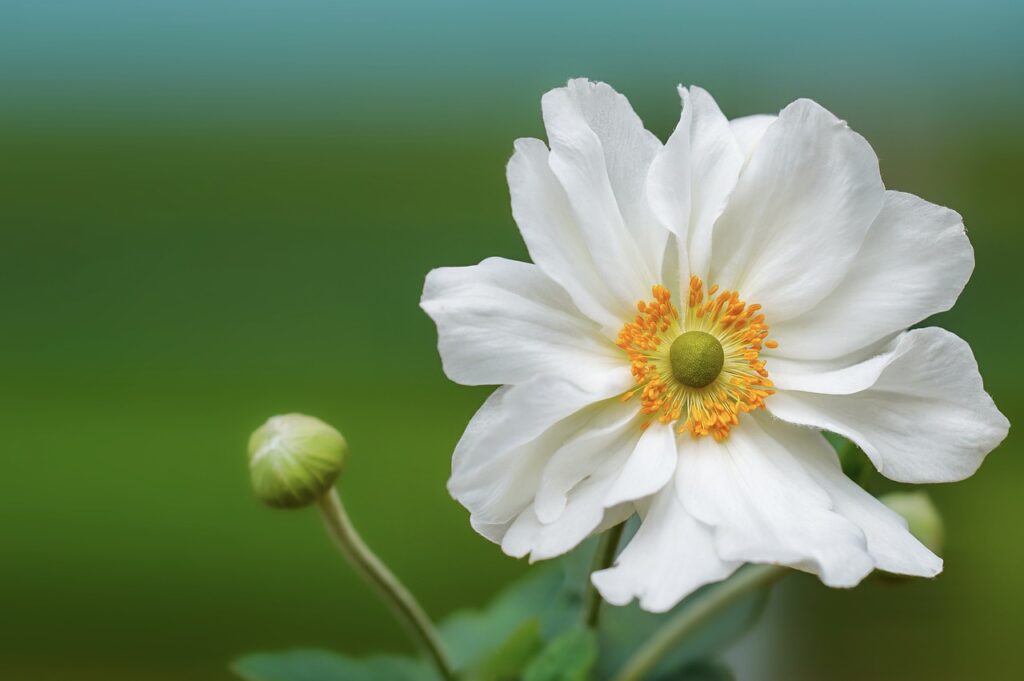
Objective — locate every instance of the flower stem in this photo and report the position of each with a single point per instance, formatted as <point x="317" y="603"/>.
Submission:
<point x="352" y="546"/>
<point x="603" y="558"/>
<point x="688" y="620"/>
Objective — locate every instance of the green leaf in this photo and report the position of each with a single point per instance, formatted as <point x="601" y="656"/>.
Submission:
<point x="321" y="665"/>
<point x="706" y="671"/>
<point x="570" y="657"/>
<point x="553" y="594"/>
<point x="542" y="595"/>
<point x="624" y="629"/>
<point x="507" y="662"/>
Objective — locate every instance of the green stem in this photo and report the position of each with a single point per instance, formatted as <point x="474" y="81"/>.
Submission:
<point x="352" y="546"/>
<point x="721" y="596"/>
<point x="603" y="558"/>
<point x="863" y="473"/>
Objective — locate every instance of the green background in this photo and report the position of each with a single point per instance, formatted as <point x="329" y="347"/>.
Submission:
<point x="214" y="212"/>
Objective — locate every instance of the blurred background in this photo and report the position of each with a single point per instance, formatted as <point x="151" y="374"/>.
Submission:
<point x="214" y="212"/>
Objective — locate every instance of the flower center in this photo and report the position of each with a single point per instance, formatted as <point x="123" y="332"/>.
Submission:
<point x="700" y="367"/>
<point x="696" y="358"/>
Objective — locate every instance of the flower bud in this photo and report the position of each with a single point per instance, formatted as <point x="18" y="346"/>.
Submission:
<point x="294" y="460"/>
<point x="923" y="518"/>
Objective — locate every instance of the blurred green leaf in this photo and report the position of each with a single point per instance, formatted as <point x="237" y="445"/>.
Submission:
<point x="705" y="671"/>
<point x="321" y="665"/>
<point x="624" y="629"/>
<point x="542" y="596"/>
<point x="507" y="662"/>
<point x="553" y="595"/>
<point x="570" y="657"/>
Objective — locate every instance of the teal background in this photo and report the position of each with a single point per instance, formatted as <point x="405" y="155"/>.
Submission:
<point x="214" y="212"/>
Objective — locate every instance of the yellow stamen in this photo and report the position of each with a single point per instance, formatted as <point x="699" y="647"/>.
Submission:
<point x="741" y="386"/>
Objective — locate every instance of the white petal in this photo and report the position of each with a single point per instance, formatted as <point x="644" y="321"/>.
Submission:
<point x="799" y="212"/>
<point x="914" y="263"/>
<point x="890" y="544"/>
<point x="671" y="556"/>
<point x="692" y="176"/>
<point x="553" y="237"/>
<point x="765" y="508"/>
<point x="749" y="130"/>
<point x="600" y="152"/>
<point x="843" y="376"/>
<point x="506" y="322"/>
<point x="494" y="532"/>
<point x="499" y="460"/>
<point x="611" y="435"/>
<point x="924" y="418"/>
<point x="583" y="515"/>
<point x="648" y="468"/>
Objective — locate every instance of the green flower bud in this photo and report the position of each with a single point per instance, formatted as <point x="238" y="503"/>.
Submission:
<point x="294" y="460"/>
<point x="923" y="518"/>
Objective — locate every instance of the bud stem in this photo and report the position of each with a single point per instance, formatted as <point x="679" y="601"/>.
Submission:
<point x="603" y="558"/>
<point x="689" y="619"/>
<point x="405" y="606"/>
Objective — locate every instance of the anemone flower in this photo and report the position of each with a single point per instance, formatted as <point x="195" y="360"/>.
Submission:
<point x="696" y="314"/>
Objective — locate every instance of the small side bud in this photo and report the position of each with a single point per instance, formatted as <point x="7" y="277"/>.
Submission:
<point x="294" y="460"/>
<point x="923" y="518"/>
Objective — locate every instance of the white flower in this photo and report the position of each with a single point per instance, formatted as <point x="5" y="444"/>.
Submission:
<point x="772" y="244"/>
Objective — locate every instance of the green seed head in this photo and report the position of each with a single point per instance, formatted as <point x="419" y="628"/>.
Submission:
<point x="294" y="460"/>
<point x="697" y="358"/>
